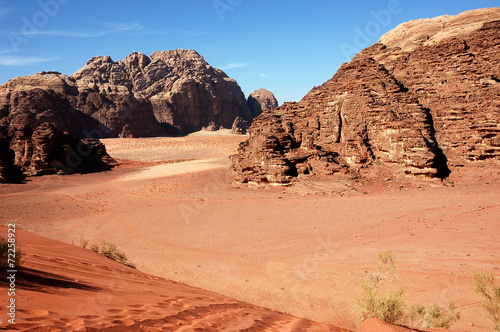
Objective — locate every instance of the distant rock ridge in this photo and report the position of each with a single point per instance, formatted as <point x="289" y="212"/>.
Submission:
<point x="423" y="99"/>
<point x="45" y="117"/>
<point x="181" y="90"/>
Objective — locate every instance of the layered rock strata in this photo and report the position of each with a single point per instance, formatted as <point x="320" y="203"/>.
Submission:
<point x="424" y="98"/>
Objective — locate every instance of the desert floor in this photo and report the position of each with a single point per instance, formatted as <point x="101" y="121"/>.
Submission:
<point x="306" y="249"/>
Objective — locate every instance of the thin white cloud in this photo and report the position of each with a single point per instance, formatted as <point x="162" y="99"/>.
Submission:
<point x="16" y="61"/>
<point x="196" y="33"/>
<point x="152" y="32"/>
<point x="234" y="66"/>
<point x="111" y="29"/>
<point x="4" y="11"/>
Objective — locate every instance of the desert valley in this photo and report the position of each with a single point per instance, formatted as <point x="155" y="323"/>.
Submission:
<point x="232" y="213"/>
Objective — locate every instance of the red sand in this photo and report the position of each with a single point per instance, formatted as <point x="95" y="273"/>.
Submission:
<point x="66" y="288"/>
<point x="304" y="250"/>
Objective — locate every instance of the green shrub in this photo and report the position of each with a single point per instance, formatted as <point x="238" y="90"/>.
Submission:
<point x="389" y="305"/>
<point x="484" y="285"/>
<point x="4" y="256"/>
<point x="434" y="316"/>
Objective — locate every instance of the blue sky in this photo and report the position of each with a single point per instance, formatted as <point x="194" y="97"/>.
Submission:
<point x="286" y="46"/>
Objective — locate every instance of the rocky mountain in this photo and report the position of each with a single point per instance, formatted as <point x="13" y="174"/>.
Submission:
<point x="261" y="100"/>
<point x="50" y="121"/>
<point x="423" y="99"/>
<point x="181" y="90"/>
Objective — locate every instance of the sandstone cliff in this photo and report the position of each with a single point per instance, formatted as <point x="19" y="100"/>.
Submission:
<point x="45" y="118"/>
<point x="423" y="99"/>
<point x="42" y="132"/>
<point x="181" y="90"/>
<point x="261" y="100"/>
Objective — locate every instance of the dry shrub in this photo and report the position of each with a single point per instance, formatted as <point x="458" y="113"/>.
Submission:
<point x="111" y="250"/>
<point x="434" y="316"/>
<point x="388" y="305"/>
<point x="484" y="285"/>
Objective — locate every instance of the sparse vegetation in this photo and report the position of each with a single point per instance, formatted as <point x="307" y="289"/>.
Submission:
<point x="111" y="250"/>
<point x="434" y="316"/>
<point x="95" y="248"/>
<point x="4" y="255"/>
<point x="484" y="285"/>
<point x="82" y="243"/>
<point x="386" y="259"/>
<point x="388" y="305"/>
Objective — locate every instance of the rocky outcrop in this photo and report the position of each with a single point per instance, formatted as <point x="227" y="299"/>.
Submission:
<point x="261" y="100"/>
<point x="177" y="91"/>
<point x="240" y="126"/>
<point x="419" y="103"/>
<point x="46" y="117"/>
<point x="41" y="131"/>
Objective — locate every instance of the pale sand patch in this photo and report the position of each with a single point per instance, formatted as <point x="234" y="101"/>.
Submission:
<point x="164" y="170"/>
<point x="173" y="148"/>
<point x="206" y="133"/>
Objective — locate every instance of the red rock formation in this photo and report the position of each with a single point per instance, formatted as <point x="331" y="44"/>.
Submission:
<point x="420" y="102"/>
<point x="42" y="131"/>
<point x="172" y="92"/>
<point x="261" y="100"/>
<point x="240" y="126"/>
<point x="179" y="87"/>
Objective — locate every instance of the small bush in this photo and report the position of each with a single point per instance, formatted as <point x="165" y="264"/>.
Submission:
<point x="95" y="248"/>
<point x="387" y="261"/>
<point x="484" y="285"/>
<point x="389" y="305"/>
<point x="435" y="316"/>
<point x="84" y="243"/>
<point x="4" y="255"/>
<point x="111" y="250"/>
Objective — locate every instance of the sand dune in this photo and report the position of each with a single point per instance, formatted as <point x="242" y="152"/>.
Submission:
<point x="66" y="288"/>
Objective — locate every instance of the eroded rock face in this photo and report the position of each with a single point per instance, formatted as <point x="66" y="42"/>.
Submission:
<point x="46" y="116"/>
<point x="261" y="100"/>
<point x="43" y="133"/>
<point x="178" y="88"/>
<point x="421" y="105"/>
<point x="240" y="126"/>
